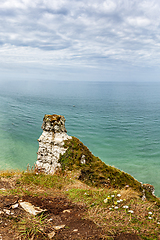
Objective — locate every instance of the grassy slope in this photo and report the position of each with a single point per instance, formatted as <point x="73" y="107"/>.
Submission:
<point x="95" y="172"/>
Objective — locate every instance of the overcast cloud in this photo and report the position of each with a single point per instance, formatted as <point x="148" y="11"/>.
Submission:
<point x="91" y="39"/>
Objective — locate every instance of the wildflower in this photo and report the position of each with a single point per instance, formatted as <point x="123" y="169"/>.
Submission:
<point x="158" y="222"/>
<point x="105" y="200"/>
<point x="118" y="201"/>
<point x="115" y="202"/>
<point x="110" y="208"/>
<point x="149" y="217"/>
<point x="131" y="211"/>
<point x="115" y="207"/>
<point x="121" y="200"/>
<point x="112" y="196"/>
<point x="118" y="195"/>
<point x="125" y="206"/>
<point x="150" y="213"/>
<point x="108" y="197"/>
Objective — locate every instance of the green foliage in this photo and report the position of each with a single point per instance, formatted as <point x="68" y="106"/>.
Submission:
<point x="90" y="197"/>
<point x="32" y="228"/>
<point x="94" y="172"/>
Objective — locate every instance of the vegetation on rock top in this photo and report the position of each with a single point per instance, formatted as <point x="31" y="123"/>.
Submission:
<point x="93" y="171"/>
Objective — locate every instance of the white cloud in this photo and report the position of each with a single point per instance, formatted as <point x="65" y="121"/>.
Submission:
<point x="80" y="33"/>
<point x="139" y="22"/>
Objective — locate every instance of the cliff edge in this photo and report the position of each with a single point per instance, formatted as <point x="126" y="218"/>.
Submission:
<point x="57" y="150"/>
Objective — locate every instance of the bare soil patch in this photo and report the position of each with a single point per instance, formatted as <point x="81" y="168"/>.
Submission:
<point x="127" y="236"/>
<point x="59" y="212"/>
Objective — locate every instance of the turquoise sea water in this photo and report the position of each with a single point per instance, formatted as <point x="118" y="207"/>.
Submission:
<point x="119" y="122"/>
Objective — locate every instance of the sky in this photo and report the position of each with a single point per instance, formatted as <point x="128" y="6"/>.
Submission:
<point x="89" y="40"/>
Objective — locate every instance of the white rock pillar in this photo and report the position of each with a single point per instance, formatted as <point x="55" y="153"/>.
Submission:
<point x="51" y="143"/>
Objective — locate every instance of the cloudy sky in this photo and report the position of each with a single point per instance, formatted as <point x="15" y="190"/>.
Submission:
<point x="100" y="40"/>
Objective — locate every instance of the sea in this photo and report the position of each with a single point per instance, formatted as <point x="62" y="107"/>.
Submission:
<point x="118" y="121"/>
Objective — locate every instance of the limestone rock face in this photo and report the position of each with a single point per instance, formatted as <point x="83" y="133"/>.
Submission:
<point x="51" y="143"/>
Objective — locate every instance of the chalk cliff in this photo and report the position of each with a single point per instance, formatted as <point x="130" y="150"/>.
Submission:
<point x="51" y="143"/>
<point x="58" y="150"/>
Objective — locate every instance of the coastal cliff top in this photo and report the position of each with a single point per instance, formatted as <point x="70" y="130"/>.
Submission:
<point x="84" y="198"/>
<point x="70" y="209"/>
<point x="54" y="123"/>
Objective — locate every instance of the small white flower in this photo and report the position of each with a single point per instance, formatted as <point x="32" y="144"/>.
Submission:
<point x="125" y="206"/>
<point x="105" y="200"/>
<point x="110" y="208"/>
<point x="131" y="211"/>
<point x="158" y="222"/>
<point x="118" y="201"/>
<point x="118" y="195"/>
<point x="112" y="196"/>
<point x="150" y="213"/>
<point x="149" y="217"/>
<point x="121" y="200"/>
<point x="115" y="207"/>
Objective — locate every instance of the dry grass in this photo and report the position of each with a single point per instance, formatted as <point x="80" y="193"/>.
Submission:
<point x="10" y="173"/>
<point x="129" y="194"/>
<point x="110" y="214"/>
<point x="137" y="218"/>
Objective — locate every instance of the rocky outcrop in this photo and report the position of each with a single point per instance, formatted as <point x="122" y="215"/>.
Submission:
<point x="51" y="143"/>
<point x="74" y="155"/>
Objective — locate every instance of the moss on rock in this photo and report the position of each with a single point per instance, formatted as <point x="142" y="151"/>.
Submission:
<point x="92" y="170"/>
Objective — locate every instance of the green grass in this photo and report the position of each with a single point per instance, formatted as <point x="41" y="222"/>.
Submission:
<point x="56" y="181"/>
<point x="32" y="227"/>
<point x="94" y="172"/>
<point x="92" y="197"/>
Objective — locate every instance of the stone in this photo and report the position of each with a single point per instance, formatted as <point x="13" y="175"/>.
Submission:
<point x="15" y="206"/>
<point x="58" y="227"/>
<point x="7" y="211"/>
<point x="51" y="234"/>
<point x="51" y="143"/>
<point x="28" y="207"/>
<point x="67" y="211"/>
<point x="149" y="188"/>
<point x="83" y="160"/>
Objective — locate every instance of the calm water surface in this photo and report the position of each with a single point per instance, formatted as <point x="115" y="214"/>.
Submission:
<point x="119" y="122"/>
